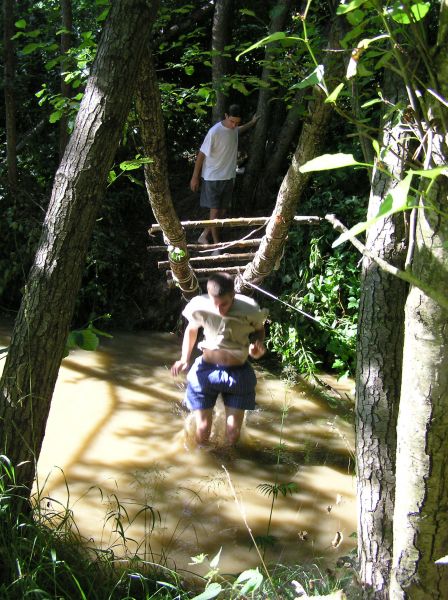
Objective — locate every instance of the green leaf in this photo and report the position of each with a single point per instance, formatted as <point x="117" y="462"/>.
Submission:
<point x="343" y="9"/>
<point x="371" y="102"/>
<point x="111" y="177"/>
<point x="238" y="85"/>
<point x="431" y="173"/>
<point x="211" y="591"/>
<point x="313" y="78"/>
<point x="55" y="116"/>
<point x="87" y="340"/>
<point x="29" y="48"/>
<point x="189" y="70"/>
<point x="274" y="37"/>
<point x="355" y="17"/>
<point x="136" y="163"/>
<point x="418" y="12"/>
<point x="102" y="17"/>
<point x="397" y="200"/>
<point x="253" y="579"/>
<point x="215" y="560"/>
<point x="20" y="24"/>
<point x="245" y="11"/>
<point x="329" y="161"/>
<point x="331" y="99"/>
<point x="376" y="147"/>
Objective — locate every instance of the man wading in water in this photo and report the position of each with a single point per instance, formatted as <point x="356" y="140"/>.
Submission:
<point x="228" y="320"/>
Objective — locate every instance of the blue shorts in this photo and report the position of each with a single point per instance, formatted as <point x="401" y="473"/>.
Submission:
<point x="207" y="380"/>
<point x="216" y="194"/>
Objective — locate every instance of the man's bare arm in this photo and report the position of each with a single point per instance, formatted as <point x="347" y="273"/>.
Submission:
<point x="190" y="337"/>
<point x="196" y="177"/>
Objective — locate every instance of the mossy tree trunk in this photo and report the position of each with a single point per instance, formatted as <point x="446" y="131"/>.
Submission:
<point x="152" y="132"/>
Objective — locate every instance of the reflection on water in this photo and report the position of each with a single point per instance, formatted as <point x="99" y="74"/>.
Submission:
<point x="118" y="440"/>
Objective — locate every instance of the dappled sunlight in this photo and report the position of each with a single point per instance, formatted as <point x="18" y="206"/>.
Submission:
<point x="118" y="440"/>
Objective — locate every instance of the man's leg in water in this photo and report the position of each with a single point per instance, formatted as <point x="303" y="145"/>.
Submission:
<point x="234" y="421"/>
<point x="203" y="418"/>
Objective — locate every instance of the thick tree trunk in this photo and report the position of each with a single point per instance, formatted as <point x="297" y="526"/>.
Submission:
<point x="152" y="132"/>
<point x="379" y="363"/>
<point x="220" y="38"/>
<point x="43" y="322"/>
<point x="9" y="91"/>
<point x="258" y="137"/>
<point x="421" y="516"/>
<point x="66" y="44"/>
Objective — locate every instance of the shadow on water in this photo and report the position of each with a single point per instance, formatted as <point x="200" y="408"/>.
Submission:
<point x="118" y="439"/>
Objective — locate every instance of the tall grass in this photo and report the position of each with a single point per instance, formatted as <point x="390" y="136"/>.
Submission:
<point x="43" y="555"/>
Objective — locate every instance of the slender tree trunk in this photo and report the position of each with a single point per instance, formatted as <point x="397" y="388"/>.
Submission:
<point x="220" y="38"/>
<point x="9" y="91"/>
<point x="259" y="134"/>
<point x="311" y="141"/>
<point x="379" y="363"/>
<point x="152" y="132"/>
<point x="66" y="44"/>
<point x="421" y="515"/>
<point x="289" y="195"/>
<point x="43" y="322"/>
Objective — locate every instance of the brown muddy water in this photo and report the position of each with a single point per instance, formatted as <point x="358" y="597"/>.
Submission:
<point x="118" y="440"/>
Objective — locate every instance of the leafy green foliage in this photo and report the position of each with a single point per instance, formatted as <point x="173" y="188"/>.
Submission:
<point x="324" y="284"/>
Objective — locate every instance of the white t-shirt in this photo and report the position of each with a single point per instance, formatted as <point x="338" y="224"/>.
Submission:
<point x="220" y="147"/>
<point x="230" y="332"/>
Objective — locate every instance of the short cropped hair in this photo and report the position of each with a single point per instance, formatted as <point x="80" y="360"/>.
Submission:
<point x="220" y="284"/>
<point x="234" y="110"/>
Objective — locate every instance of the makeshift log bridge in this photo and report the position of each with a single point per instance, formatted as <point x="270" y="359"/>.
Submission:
<point x="190" y="263"/>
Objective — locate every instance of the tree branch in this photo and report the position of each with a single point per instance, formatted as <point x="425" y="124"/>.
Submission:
<point x="441" y="299"/>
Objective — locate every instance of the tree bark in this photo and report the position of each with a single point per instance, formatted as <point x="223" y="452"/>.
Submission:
<point x="220" y="37"/>
<point x="379" y="364"/>
<point x="258" y="137"/>
<point x="152" y="132"/>
<point x="9" y="92"/>
<point x="421" y="515"/>
<point x="43" y="321"/>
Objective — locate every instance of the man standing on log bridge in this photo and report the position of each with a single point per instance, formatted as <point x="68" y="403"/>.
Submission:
<point x="215" y="168"/>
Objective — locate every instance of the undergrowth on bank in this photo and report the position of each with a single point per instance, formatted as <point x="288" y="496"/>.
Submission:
<point x="44" y="556"/>
<point x="313" y="326"/>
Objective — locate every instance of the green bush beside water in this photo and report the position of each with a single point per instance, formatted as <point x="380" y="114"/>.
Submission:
<point x="322" y="282"/>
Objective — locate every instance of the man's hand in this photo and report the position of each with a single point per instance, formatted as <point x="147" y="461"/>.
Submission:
<point x="257" y="349"/>
<point x="194" y="183"/>
<point x="180" y="366"/>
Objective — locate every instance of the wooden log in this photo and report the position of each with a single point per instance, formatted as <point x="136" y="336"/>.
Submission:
<point x="237" y="222"/>
<point x="223" y="245"/>
<point x="247" y="256"/>
<point x="232" y="270"/>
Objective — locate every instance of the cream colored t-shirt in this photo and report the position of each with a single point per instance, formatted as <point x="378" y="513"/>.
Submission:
<point x="231" y="332"/>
